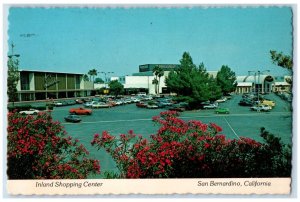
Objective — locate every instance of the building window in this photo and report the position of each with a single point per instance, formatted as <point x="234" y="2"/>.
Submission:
<point x="24" y="80"/>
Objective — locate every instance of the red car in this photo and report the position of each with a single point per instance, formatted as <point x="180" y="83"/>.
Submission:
<point x="141" y="104"/>
<point x="80" y="111"/>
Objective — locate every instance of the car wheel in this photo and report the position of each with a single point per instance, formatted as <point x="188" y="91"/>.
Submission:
<point x="34" y="113"/>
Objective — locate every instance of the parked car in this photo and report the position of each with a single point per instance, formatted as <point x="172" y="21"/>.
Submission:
<point x="210" y="106"/>
<point x="100" y="105"/>
<point x="79" y="101"/>
<point x="148" y="97"/>
<point x="80" y="111"/>
<point x="223" y="99"/>
<point x="166" y="103"/>
<point x="58" y="103"/>
<point x="177" y="107"/>
<point x="222" y="110"/>
<point x="30" y="112"/>
<point x="268" y="102"/>
<point x="152" y="106"/>
<point x="72" y="118"/>
<point x="245" y="102"/>
<point x="264" y="108"/>
<point x="119" y="102"/>
<point x="89" y="104"/>
<point x="141" y="104"/>
<point x="135" y="100"/>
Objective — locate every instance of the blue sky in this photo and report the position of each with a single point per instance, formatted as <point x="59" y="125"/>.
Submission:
<point x="119" y="40"/>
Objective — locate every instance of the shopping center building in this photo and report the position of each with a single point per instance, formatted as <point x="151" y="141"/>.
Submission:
<point x="265" y="83"/>
<point x="41" y="85"/>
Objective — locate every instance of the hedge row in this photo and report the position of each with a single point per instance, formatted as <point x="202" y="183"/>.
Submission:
<point x="28" y="106"/>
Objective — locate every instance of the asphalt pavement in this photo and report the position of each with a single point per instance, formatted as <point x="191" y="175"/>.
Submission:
<point x="119" y="120"/>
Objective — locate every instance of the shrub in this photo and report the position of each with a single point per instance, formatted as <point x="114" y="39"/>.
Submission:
<point x="19" y="108"/>
<point x="193" y="149"/>
<point x="39" y="148"/>
<point x="41" y="108"/>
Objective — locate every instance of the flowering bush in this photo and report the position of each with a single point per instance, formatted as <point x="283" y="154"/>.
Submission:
<point x="39" y="148"/>
<point x="191" y="149"/>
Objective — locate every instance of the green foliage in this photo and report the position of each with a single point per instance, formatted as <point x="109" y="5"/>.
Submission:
<point x="19" y="108"/>
<point x="92" y="73"/>
<point x="12" y="79"/>
<point x="192" y="84"/>
<point x="86" y="77"/>
<point x="226" y="79"/>
<point x="99" y="80"/>
<point x="116" y="88"/>
<point x="282" y="60"/>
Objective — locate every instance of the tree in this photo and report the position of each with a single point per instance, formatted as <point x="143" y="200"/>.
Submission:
<point x="116" y="87"/>
<point x="158" y="72"/>
<point x="155" y="82"/>
<point x="192" y="84"/>
<point x="99" y="80"/>
<point x="282" y="60"/>
<point x="226" y="79"/>
<point x="86" y="77"/>
<point x="92" y="73"/>
<point x="12" y="79"/>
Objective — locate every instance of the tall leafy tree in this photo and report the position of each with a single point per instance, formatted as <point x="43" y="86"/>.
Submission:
<point x="282" y="60"/>
<point x="116" y="88"/>
<point x="191" y="83"/>
<point x="158" y="72"/>
<point x="226" y="79"/>
<point x="12" y="79"/>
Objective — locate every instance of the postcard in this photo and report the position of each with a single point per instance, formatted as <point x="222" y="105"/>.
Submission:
<point x="149" y="99"/>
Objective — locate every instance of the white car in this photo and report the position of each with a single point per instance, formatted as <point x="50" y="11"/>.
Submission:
<point x="221" y="99"/>
<point x="30" y="112"/>
<point x="89" y="104"/>
<point x="259" y="108"/>
<point x="152" y="106"/>
<point x="100" y="105"/>
<point x="210" y="106"/>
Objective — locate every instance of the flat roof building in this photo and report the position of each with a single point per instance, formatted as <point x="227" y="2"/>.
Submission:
<point x="41" y="85"/>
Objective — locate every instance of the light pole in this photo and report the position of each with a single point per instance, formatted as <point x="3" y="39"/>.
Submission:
<point x="12" y="52"/>
<point x="105" y="77"/>
<point x="258" y="83"/>
<point x="13" y="75"/>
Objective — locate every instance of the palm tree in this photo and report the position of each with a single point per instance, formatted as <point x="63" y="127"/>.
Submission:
<point x="155" y="82"/>
<point x="92" y="73"/>
<point x="159" y="72"/>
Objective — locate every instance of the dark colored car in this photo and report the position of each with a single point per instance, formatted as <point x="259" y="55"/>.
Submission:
<point x="245" y="102"/>
<point x="73" y="118"/>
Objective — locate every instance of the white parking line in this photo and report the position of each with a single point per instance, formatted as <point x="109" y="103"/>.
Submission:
<point x="231" y="128"/>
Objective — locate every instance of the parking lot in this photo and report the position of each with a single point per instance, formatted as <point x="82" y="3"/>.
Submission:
<point x="117" y="120"/>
